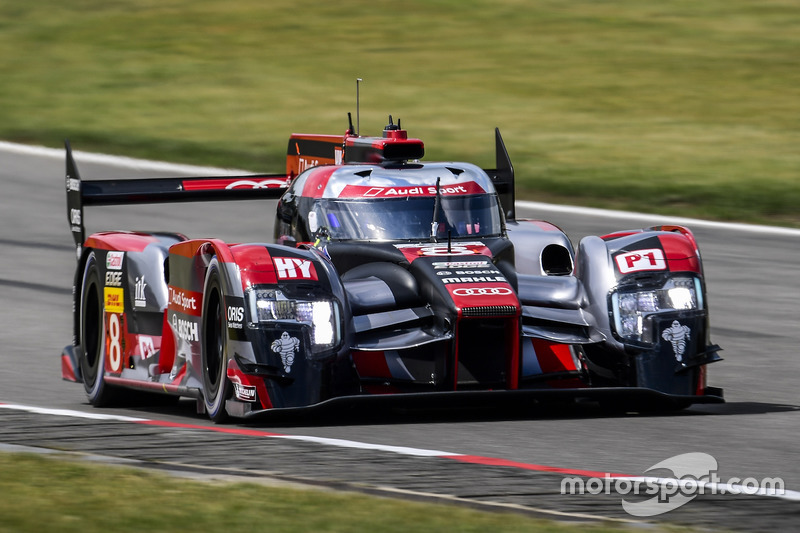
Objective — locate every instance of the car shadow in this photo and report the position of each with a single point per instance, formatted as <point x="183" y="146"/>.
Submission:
<point x="363" y="413"/>
<point x="546" y="411"/>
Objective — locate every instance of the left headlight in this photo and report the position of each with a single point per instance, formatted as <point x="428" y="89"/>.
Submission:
<point x="321" y="315"/>
<point x="633" y="310"/>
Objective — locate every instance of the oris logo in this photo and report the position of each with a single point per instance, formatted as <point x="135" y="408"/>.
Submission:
<point x="483" y="291"/>
<point x="235" y="317"/>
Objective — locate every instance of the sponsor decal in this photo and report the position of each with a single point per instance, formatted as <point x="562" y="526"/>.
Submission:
<point x="473" y="279"/>
<point x="461" y="264"/>
<point x="114" y="342"/>
<point x="75" y="217"/>
<point x="413" y="251"/>
<point x="187" y="330"/>
<point x="294" y="268"/>
<point x="139" y="299"/>
<point x="233" y="183"/>
<point x="245" y="393"/>
<point x="73" y="185"/>
<point x="184" y="301"/>
<point x="313" y="224"/>
<point x="235" y="317"/>
<point x="251" y="184"/>
<point x="113" y="299"/>
<point x="114" y="278"/>
<point x="677" y="334"/>
<point x="114" y="260"/>
<point x="146" y="346"/>
<point x="482" y="291"/>
<point x="365" y="191"/>
<point x="304" y="163"/>
<point x="286" y="346"/>
<point x="446" y="250"/>
<point x="641" y="260"/>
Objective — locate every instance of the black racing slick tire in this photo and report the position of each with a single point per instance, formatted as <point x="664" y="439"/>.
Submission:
<point x="92" y="336"/>
<point x="216" y="386"/>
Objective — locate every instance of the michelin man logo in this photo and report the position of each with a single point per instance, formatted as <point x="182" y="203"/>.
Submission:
<point x="286" y="346"/>
<point x="677" y="335"/>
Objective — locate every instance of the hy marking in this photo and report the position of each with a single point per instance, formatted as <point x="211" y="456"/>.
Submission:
<point x="790" y="495"/>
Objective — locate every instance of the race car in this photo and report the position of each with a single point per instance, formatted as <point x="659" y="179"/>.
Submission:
<point x="388" y="278"/>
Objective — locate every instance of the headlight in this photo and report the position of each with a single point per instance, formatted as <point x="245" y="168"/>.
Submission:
<point x="633" y="310"/>
<point x="269" y="306"/>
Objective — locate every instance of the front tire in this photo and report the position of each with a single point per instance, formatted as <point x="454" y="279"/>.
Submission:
<point x="92" y="336"/>
<point x="216" y="387"/>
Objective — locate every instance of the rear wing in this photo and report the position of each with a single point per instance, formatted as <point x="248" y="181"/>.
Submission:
<point x="81" y="193"/>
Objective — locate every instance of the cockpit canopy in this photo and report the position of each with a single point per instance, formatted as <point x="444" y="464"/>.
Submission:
<point x="404" y="202"/>
<point x="409" y="218"/>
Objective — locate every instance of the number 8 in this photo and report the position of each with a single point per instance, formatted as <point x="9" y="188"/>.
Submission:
<point x="115" y="345"/>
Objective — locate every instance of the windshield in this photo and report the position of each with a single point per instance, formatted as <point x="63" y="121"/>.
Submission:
<point x="408" y="218"/>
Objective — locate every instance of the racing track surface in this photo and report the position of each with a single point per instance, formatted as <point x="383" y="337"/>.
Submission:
<point x="754" y="297"/>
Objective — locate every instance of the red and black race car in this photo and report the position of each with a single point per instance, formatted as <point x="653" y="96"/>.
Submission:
<point x="388" y="278"/>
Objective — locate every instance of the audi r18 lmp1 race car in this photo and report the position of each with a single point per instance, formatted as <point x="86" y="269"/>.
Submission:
<point x="388" y="278"/>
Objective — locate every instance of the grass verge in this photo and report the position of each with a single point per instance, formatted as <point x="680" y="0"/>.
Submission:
<point x="671" y="107"/>
<point x="44" y="494"/>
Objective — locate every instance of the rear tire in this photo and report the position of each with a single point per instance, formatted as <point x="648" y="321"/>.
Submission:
<point x="92" y="336"/>
<point x="216" y="387"/>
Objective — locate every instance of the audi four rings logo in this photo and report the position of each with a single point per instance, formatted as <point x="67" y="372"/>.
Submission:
<point x="483" y="291"/>
<point x="263" y="184"/>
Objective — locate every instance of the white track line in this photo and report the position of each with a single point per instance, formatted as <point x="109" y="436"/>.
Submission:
<point x="790" y="495"/>
<point x="69" y="413"/>
<point x="119" y="161"/>
<point x="660" y="219"/>
<point x="159" y="166"/>
<point x="341" y="443"/>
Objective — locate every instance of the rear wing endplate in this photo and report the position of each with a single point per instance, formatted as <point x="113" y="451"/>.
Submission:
<point x="81" y="193"/>
<point x="503" y="176"/>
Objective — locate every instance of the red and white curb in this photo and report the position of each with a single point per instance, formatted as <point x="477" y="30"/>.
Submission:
<point x="724" y="488"/>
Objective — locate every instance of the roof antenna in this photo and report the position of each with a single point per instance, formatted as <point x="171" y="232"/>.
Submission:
<point x="358" y="113"/>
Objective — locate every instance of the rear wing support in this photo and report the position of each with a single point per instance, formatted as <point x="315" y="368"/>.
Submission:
<point x="503" y="176"/>
<point x="81" y="193"/>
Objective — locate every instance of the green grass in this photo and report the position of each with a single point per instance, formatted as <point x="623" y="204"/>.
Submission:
<point x="47" y="495"/>
<point x="679" y="107"/>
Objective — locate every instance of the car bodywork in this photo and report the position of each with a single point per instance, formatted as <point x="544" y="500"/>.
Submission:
<point x="388" y="278"/>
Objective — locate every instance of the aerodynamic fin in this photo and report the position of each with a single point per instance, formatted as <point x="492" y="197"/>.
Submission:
<point x="503" y="176"/>
<point x="74" y="200"/>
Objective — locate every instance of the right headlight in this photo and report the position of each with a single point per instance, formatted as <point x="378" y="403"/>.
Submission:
<point x="633" y="310"/>
<point x="272" y="306"/>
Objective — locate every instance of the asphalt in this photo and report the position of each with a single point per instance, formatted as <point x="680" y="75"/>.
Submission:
<point x="754" y="298"/>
